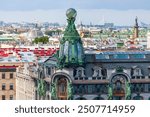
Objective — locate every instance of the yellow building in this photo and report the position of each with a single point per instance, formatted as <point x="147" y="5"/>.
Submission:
<point x="8" y="80"/>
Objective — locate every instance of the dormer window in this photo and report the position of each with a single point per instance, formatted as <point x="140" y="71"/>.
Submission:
<point x="137" y="71"/>
<point x="80" y="73"/>
<point x="97" y="72"/>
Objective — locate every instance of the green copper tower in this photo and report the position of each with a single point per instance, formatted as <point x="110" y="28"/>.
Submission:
<point x="71" y="51"/>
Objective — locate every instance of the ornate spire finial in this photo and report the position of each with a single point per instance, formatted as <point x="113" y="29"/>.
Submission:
<point x="136" y="28"/>
<point x="136" y="21"/>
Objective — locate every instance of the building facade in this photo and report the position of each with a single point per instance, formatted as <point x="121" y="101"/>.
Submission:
<point x="106" y="75"/>
<point x="148" y="40"/>
<point x="8" y="81"/>
<point x="25" y="84"/>
<point x="75" y="74"/>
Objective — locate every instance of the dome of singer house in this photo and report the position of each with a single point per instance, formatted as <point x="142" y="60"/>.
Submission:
<point x="71" y="49"/>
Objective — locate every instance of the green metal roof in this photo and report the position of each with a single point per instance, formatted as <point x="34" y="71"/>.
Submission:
<point x="6" y="39"/>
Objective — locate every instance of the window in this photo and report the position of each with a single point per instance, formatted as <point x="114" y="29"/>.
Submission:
<point x="89" y="88"/>
<point x="29" y="54"/>
<point x="97" y="72"/>
<point x="11" y="86"/>
<point x="11" y="75"/>
<point x="121" y="56"/>
<point x="11" y="97"/>
<point x="3" y="75"/>
<point x="139" y="56"/>
<point x="102" y="56"/>
<point x="138" y="97"/>
<point x="3" y="97"/>
<point x="62" y="87"/>
<point x="137" y="72"/>
<point x="48" y="97"/>
<point x="22" y="54"/>
<point x="149" y="87"/>
<point x="3" y="86"/>
<point x="48" y="70"/>
<point x="80" y="72"/>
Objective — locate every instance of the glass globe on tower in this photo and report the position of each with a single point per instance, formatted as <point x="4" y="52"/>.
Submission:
<point x="71" y="13"/>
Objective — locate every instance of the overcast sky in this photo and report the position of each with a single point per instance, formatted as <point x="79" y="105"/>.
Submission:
<point x="96" y="11"/>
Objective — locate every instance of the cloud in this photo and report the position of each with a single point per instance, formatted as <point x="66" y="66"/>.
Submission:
<point x="96" y="16"/>
<point x="26" y="5"/>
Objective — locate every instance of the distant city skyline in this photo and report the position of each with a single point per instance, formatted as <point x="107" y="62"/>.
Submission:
<point x="96" y="12"/>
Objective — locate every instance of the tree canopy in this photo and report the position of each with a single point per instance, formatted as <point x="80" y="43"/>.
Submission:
<point x="43" y="40"/>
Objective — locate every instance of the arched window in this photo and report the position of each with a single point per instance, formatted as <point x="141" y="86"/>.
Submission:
<point x="62" y="88"/>
<point x="97" y="72"/>
<point x="137" y="71"/>
<point x="98" y="98"/>
<point x="81" y="98"/>
<point x="119" y="86"/>
<point x="80" y="72"/>
<point x="138" y="97"/>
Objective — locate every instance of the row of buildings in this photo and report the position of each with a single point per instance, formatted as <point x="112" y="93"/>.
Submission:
<point x="14" y="59"/>
<point x="74" y="72"/>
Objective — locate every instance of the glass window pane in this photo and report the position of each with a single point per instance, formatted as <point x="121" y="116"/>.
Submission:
<point x="102" y="56"/>
<point x="121" y="56"/>
<point x="139" y="56"/>
<point x="3" y="75"/>
<point x="3" y="97"/>
<point x="11" y="75"/>
<point x="3" y="86"/>
<point x="11" y="97"/>
<point x="11" y="86"/>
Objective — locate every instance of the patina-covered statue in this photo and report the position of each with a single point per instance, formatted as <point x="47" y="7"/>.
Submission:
<point x="53" y="91"/>
<point x="70" y="91"/>
<point x="128" y="91"/>
<point x="41" y="87"/>
<point x="71" y="51"/>
<point x="110" y="92"/>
